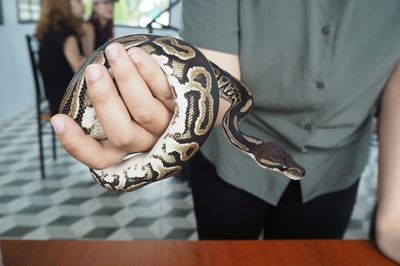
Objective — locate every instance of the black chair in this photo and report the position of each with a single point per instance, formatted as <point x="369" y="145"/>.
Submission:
<point x="43" y="115"/>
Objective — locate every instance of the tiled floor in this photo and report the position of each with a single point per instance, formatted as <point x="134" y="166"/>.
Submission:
<point x="68" y="204"/>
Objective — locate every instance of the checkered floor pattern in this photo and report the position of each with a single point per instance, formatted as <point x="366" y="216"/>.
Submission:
<point x="68" y="204"/>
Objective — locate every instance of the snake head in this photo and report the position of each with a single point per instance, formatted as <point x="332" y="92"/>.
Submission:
<point x="276" y="159"/>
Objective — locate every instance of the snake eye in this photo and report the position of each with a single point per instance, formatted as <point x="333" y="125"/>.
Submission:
<point x="283" y="167"/>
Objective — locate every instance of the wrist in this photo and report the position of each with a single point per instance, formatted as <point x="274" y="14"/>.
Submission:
<point x="388" y="236"/>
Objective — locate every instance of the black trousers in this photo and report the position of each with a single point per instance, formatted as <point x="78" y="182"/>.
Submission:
<point x="224" y="211"/>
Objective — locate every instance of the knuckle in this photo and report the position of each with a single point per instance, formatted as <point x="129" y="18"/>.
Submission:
<point x="98" y="96"/>
<point x="144" y="116"/>
<point x="72" y="149"/>
<point x="156" y="76"/>
<point x="160" y="84"/>
<point x="72" y="146"/>
<point x="123" y="141"/>
<point x="100" y="164"/>
<point x="95" y="92"/>
<point x="124" y="79"/>
<point x="167" y="96"/>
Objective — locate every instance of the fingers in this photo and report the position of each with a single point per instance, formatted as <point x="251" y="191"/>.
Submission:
<point x="115" y="119"/>
<point x="83" y="147"/>
<point x="153" y="76"/>
<point x="146" y="110"/>
<point x="115" y="108"/>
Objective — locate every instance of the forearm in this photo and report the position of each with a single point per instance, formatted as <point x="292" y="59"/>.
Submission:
<point x="388" y="218"/>
<point x="88" y="39"/>
<point x="72" y="53"/>
<point x="76" y="63"/>
<point x="389" y="152"/>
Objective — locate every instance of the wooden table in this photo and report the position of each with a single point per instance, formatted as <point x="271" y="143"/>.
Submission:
<point x="165" y="252"/>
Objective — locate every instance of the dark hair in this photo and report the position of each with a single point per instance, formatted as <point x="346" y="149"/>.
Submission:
<point x="54" y="11"/>
<point x="102" y="33"/>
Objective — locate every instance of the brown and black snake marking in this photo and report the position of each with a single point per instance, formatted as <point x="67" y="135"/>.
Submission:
<point x="267" y="154"/>
<point x="197" y="85"/>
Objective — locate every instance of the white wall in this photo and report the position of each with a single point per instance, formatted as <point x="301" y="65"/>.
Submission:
<point x="16" y="81"/>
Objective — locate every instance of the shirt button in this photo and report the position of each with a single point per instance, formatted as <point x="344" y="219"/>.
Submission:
<point x="325" y="30"/>
<point x="307" y="127"/>
<point x="320" y="85"/>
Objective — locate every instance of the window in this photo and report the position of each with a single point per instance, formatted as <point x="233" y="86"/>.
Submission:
<point x="28" y="10"/>
<point x="137" y="13"/>
<point x="140" y="12"/>
<point x="131" y="13"/>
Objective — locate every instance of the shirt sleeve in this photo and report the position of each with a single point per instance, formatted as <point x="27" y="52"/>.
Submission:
<point x="211" y="24"/>
<point x="63" y="31"/>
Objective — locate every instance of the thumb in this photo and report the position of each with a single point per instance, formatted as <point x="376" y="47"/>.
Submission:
<point x="82" y="147"/>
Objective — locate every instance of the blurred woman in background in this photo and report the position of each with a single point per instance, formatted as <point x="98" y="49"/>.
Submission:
<point x="59" y="32"/>
<point x="100" y="26"/>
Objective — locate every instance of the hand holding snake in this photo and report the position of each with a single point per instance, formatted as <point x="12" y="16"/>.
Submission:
<point x="136" y="113"/>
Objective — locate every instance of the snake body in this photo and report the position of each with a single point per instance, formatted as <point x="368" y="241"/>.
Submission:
<point x="197" y="85"/>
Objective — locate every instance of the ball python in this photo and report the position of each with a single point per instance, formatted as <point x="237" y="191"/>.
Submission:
<point x="196" y="84"/>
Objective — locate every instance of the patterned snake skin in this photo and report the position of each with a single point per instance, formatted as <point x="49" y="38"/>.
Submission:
<point x="197" y="85"/>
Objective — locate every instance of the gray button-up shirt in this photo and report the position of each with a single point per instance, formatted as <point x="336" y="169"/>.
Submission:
<point x="316" y="69"/>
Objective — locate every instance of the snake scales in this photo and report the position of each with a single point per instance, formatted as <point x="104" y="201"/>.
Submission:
<point x="197" y="85"/>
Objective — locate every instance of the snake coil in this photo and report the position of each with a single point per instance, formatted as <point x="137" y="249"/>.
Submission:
<point x="197" y="85"/>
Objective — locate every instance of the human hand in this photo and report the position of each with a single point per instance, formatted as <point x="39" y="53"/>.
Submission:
<point x="133" y="116"/>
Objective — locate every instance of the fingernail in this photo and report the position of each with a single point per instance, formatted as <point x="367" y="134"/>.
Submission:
<point x="135" y="56"/>
<point x="58" y="125"/>
<point x="93" y="72"/>
<point x="112" y="51"/>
